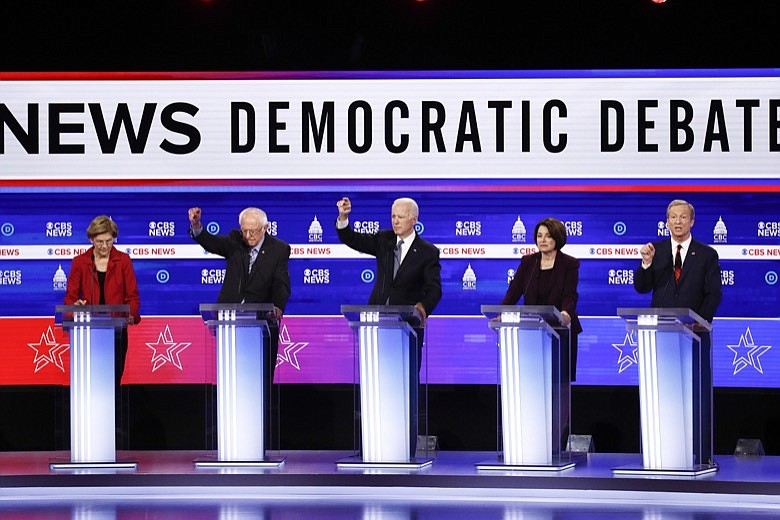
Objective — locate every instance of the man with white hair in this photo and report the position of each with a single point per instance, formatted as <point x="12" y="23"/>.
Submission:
<point x="255" y="272"/>
<point x="408" y="272"/>
<point x="255" y="262"/>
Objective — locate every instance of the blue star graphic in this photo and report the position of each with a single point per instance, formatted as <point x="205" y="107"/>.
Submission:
<point x="628" y="351"/>
<point x="747" y="353"/>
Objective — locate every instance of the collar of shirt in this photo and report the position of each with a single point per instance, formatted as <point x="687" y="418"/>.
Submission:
<point x="686" y="244"/>
<point x="406" y="245"/>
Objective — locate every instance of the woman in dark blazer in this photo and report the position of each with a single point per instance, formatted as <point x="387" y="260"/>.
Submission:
<point x="550" y="277"/>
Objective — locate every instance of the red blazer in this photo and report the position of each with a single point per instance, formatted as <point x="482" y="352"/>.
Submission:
<point x="120" y="286"/>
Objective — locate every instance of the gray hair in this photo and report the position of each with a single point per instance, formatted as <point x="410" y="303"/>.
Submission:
<point x="257" y="213"/>
<point x="413" y="207"/>
<point x="680" y="202"/>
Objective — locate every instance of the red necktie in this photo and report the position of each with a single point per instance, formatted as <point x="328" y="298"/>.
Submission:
<point x="677" y="264"/>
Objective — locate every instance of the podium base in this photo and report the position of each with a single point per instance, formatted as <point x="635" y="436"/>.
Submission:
<point x="215" y="463"/>
<point x="70" y="466"/>
<point x="641" y="471"/>
<point x="359" y="463"/>
<point x="555" y="465"/>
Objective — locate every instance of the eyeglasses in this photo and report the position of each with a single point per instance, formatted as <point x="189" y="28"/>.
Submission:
<point x="251" y="232"/>
<point x="109" y="242"/>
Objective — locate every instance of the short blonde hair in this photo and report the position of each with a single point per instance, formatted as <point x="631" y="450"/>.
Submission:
<point x="102" y="224"/>
<point x="680" y="202"/>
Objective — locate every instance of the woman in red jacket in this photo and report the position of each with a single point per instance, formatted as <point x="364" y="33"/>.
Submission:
<point x="103" y="275"/>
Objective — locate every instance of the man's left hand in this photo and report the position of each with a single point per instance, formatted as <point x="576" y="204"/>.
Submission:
<point x="565" y="319"/>
<point x="423" y="314"/>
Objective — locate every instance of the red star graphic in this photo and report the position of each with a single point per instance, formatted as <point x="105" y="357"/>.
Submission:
<point x="166" y="350"/>
<point x="53" y="351"/>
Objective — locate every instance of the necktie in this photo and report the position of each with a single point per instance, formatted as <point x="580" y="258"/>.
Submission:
<point x="397" y="257"/>
<point x="252" y="258"/>
<point x="677" y="264"/>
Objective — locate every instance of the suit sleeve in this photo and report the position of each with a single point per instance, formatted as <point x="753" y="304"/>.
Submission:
<point x="131" y="289"/>
<point x="515" y="290"/>
<point x="713" y="292"/>
<point x="432" y="282"/>
<point x="570" y="282"/>
<point x="220" y="245"/>
<point x="363" y="242"/>
<point x="73" y="290"/>
<point x="280" y="283"/>
<point x="643" y="279"/>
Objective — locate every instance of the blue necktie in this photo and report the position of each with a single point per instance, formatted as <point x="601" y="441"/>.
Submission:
<point x="252" y="258"/>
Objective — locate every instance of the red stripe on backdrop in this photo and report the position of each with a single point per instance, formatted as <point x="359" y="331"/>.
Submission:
<point x="457" y="185"/>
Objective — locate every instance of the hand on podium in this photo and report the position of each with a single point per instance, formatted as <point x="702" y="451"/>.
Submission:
<point x="420" y="313"/>
<point x="275" y="314"/>
<point x="565" y="319"/>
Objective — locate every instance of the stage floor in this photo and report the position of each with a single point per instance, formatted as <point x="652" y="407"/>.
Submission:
<point x="309" y="485"/>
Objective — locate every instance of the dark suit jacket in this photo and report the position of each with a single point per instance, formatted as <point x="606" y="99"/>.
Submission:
<point x="269" y="281"/>
<point x="418" y="278"/>
<point x="566" y="274"/>
<point x="563" y="294"/>
<point x="699" y="288"/>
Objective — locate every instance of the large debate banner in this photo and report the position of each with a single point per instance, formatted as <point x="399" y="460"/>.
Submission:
<point x="486" y="155"/>
<point x="665" y="124"/>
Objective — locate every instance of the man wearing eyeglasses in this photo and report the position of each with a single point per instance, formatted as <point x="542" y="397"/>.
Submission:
<point x="255" y="262"/>
<point x="255" y="272"/>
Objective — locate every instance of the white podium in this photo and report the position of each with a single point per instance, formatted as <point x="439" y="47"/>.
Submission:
<point x="675" y="389"/>
<point x="92" y="331"/>
<point x="531" y="380"/>
<point x="242" y="336"/>
<point x="388" y="373"/>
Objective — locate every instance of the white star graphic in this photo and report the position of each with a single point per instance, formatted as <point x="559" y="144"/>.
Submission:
<point x="171" y="349"/>
<point x="747" y="353"/>
<point x="628" y="350"/>
<point x="53" y="351"/>
<point x="289" y="349"/>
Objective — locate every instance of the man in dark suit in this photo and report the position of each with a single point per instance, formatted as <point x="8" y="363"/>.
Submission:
<point x="255" y="272"/>
<point x="683" y="272"/>
<point x="268" y="281"/>
<point x="697" y="285"/>
<point x="417" y="278"/>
